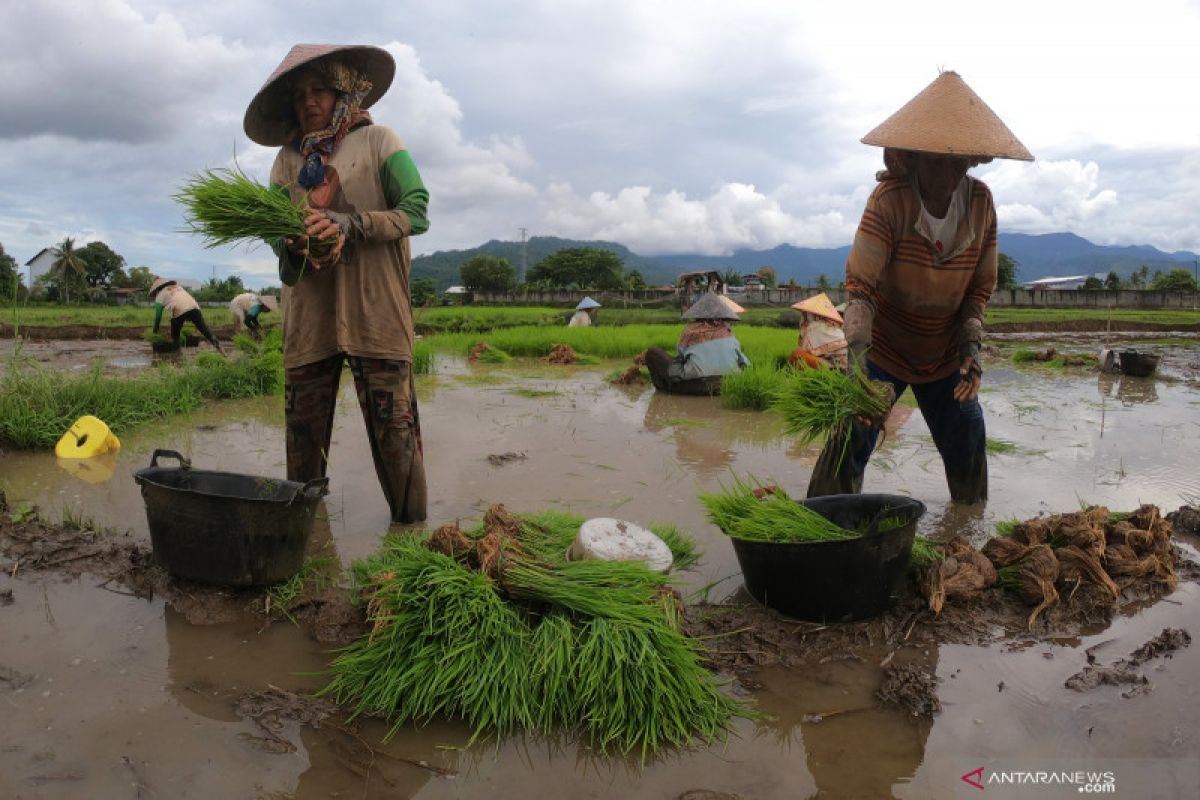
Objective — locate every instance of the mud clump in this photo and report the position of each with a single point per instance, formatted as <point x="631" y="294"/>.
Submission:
<point x="500" y="459"/>
<point x="1125" y="670"/>
<point x="911" y="688"/>
<point x="276" y="710"/>
<point x="632" y="375"/>
<point x="1186" y="520"/>
<point x="6" y="597"/>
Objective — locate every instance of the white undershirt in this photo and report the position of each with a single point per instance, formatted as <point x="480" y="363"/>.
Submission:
<point x="942" y="231"/>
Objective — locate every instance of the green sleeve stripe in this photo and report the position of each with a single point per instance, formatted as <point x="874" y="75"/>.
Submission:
<point x="404" y="189"/>
<point x="158" y="309"/>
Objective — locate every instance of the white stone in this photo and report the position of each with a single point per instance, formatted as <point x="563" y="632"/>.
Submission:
<point x="608" y="539"/>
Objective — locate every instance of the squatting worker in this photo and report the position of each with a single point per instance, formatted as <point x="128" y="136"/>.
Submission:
<point x="347" y="301"/>
<point x="245" y="309"/>
<point x="181" y="307"/>
<point x="822" y="341"/>
<point x="919" y="275"/>
<point x="707" y="350"/>
<point x="585" y="314"/>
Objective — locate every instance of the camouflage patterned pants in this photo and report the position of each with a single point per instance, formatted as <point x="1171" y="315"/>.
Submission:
<point x="389" y="406"/>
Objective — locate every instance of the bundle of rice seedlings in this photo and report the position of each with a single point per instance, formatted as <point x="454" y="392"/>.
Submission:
<point x="962" y="573"/>
<point x="1032" y="580"/>
<point x="819" y="403"/>
<point x="1078" y="566"/>
<point x="1004" y="551"/>
<point x="482" y="352"/>
<point x="743" y="512"/>
<point x="593" y="647"/>
<point x="226" y="206"/>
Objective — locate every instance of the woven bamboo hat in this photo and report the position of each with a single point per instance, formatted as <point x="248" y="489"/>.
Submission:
<point x="586" y="304"/>
<point x="159" y="283"/>
<point x="821" y="306"/>
<point x="734" y="307"/>
<point x="269" y="302"/>
<point x="268" y="118"/>
<point x="947" y="117"/>
<point x="710" y="307"/>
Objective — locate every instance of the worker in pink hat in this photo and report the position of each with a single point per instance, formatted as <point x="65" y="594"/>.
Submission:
<point x="919" y="275"/>
<point x="822" y="342"/>
<point x="347" y="300"/>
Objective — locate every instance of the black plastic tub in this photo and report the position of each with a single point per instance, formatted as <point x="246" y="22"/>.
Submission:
<point x="225" y="528"/>
<point x="1137" y="363"/>
<point x="837" y="581"/>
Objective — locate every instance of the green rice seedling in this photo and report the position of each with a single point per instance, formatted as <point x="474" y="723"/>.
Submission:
<point x="313" y="575"/>
<point x="819" y="403"/>
<point x="535" y="394"/>
<point x="493" y="355"/>
<point x="226" y="207"/>
<point x="1024" y="355"/>
<point x="1005" y="527"/>
<point x="423" y="359"/>
<point x="924" y="553"/>
<point x="773" y="517"/>
<point x="754" y="388"/>
<point x="999" y="447"/>
<point x="684" y="553"/>
<point x="444" y="643"/>
<point x="617" y="590"/>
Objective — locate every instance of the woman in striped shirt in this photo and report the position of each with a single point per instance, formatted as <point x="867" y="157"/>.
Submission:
<point x="919" y="276"/>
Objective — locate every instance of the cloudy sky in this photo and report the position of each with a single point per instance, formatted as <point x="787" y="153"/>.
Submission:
<point x="688" y="126"/>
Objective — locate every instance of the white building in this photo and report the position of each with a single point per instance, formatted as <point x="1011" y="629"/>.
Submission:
<point x="39" y="265"/>
<point x="1067" y="282"/>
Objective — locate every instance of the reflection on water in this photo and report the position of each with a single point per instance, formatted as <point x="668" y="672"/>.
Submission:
<point x="594" y="449"/>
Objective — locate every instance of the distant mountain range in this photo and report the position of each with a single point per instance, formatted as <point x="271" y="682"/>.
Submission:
<point x="1037" y="256"/>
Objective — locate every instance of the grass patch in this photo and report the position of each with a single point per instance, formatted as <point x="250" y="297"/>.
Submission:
<point x="996" y="447"/>
<point x="423" y="359"/>
<point x="37" y="404"/>
<point x="535" y="394"/>
<point x="52" y="315"/>
<point x="315" y="574"/>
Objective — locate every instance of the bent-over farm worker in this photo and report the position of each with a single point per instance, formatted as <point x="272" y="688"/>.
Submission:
<point x="181" y="307"/>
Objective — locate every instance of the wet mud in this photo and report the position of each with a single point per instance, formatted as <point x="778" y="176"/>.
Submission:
<point x="120" y="693"/>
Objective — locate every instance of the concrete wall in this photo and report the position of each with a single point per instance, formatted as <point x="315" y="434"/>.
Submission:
<point x="779" y="298"/>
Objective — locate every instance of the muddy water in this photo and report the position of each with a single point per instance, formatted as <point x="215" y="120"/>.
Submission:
<point x="125" y="696"/>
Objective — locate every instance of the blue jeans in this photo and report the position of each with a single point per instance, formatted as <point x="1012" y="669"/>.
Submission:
<point x="958" y="432"/>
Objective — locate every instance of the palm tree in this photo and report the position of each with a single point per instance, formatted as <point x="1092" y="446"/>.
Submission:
<point x="66" y="263"/>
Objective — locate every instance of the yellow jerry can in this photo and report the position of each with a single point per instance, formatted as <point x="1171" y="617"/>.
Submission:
<point x="88" y="437"/>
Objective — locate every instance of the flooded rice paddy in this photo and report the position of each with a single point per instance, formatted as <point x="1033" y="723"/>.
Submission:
<point x="109" y="695"/>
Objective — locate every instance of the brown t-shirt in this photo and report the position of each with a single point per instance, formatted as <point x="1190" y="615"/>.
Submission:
<point x="359" y="306"/>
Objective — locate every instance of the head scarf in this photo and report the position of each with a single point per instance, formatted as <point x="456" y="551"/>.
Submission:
<point x="316" y="147"/>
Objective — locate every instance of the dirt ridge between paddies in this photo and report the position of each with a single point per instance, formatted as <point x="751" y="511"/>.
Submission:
<point x="43" y="333"/>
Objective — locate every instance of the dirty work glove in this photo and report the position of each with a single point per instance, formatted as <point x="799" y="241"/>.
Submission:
<point x="857" y="360"/>
<point x="349" y="223"/>
<point x="970" y="376"/>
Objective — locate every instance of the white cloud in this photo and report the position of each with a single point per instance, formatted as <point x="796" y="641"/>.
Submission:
<point x="104" y="71"/>
<point x="1048" y="196"/>
<point x="735" y="216"/>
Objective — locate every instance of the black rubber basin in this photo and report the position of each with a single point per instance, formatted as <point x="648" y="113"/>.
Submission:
<point x="838" y="581"/>
<point x="225" y="528"/>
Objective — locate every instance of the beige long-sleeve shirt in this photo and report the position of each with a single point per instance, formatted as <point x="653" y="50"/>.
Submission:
<point x="359" y="306"/>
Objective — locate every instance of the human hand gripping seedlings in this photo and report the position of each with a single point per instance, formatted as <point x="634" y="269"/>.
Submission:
<point x="319" y="226"/>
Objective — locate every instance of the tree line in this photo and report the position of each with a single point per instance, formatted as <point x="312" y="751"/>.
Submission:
<point x="87" y="273"/>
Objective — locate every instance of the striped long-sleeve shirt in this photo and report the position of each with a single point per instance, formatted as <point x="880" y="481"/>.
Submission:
<point x="923" y="305"/>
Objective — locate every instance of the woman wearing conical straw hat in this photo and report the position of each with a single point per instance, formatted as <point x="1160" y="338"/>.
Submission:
<point x="585" y="314"/>
<point x="348" y="301"/>
<point x="707" y="350"/>
<point x="822" y="342"/>
<point x="919" y="276"/>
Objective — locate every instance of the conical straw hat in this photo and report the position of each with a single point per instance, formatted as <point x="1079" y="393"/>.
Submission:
<point x="159" y="283"/>
<point x="587" y="303"/>
<point x="268" y="119"/>
<point x="734" y="307"/>
<point x="269" y="301"/>
<point x="709" y="307"/>
<point x="947" y="117"/>
<point x="819" y="305"/>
